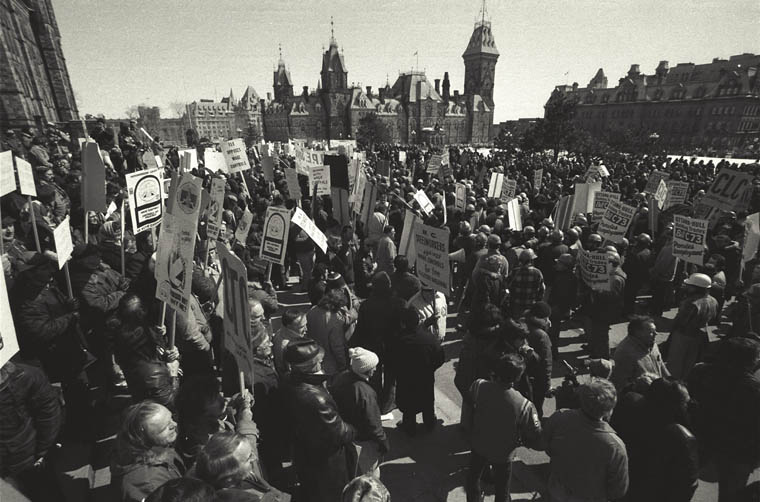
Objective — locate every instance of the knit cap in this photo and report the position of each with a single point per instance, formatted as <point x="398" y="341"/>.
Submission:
<point x="362" y="360"/>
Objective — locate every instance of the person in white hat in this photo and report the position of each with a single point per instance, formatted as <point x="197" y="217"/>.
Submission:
<point x="357" y="404"/>
<point x="688" y="336"/>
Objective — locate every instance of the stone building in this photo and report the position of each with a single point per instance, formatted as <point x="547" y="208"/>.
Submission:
<point x="710" y="106"/>
<point x="228" y="118"/>
<point x="34" y="82"/>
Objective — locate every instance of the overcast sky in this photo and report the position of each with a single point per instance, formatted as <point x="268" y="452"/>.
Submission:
<point x="162" y="51"/>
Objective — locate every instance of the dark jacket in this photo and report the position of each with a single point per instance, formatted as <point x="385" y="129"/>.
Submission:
<point x="357" y="404"/>
<point x="540" y="372"/>
<point x="30" y="417"/>
<point x="670" y="470"/>
<point x="378" y="324"/>
<point x="415" y="358"/>
<point x="133" y="479"/>
<point x="474" y="359"/>
<point x="150" y="379"/>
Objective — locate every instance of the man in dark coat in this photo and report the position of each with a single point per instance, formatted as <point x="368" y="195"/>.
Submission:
<point x="320" y="436"/>
<point x="416" y="356"/>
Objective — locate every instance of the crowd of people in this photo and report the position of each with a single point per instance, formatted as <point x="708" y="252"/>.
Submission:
<point x="639" y="427"/>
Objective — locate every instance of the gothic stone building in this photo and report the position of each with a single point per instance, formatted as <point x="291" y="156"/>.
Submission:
<point x="714" y="105"/>
<point x="413" y="109"/>
<point x="34" y="82"/>
<point x="221" y="120"/>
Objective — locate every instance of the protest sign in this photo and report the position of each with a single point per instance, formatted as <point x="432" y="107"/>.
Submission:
<point x="595" y="269"/>
<point x="8" y="340"/>
<point x="592" y="173"/>
<point x="446" y="171"/>
<point x="25" y="178"/>
<point x="689" y="239"/>
<point x="616" y="220"/>
<point x="425" y="204"/>
<point x="661" y="194"/>
<point x="149" y="160"/>
<point x="538" y="177"/>
<point x="383" y="168"/>
<point x="267" y="168"/>
<point x="144" y="189"/>
<point x="677" y="192"/>
<point x="192" y="159"/>
<point x="368" y="202"/>
<point x="215" y="208"/>
<point x="406" y="244"/>
<point x="353" y="172"/>
<point x="174" y="261"/>
<point x="508" y="190"/>
<point x="294" y="188"/>
<point x="244" y="226"/>
<point x="564" y="212"/>
<point x="603" y="171"/>
<point x="274" y="242"/>
<point x="494" y="186"/>
<point x="63" y="244"/>
<point x="338" y="165"/>
<point x="431" y="245"/>
<point x="187" y="199"/>
<point x="460" y="191"/>
<point x="751" y="237"/>
<point x="584" y="196"/>
<point x="311" y="229"/>
<point x="514" y="218"/>
<point x="306" y="159"/>
<point x="601" y="201"/>
<point x="93" y="178"/>
<point x="434" y="163"/>
<point x="214" y="161"/>
<point x="236" y="310"/>
<point x="341" y="211"/>
<point x="653" y="182"/>
<point x="730" y="191"/>
<point x="320" y="176"/>
<point x="235" y="156"/>
<point x="7" y="177"/>
<point x="402" y="156"/>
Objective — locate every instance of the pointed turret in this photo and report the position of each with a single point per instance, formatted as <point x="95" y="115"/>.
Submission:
<point x="480" y="62"/>
<point x="334" y="73"/>
<point x="283" y="84"/>
<point x="599" y="81"/>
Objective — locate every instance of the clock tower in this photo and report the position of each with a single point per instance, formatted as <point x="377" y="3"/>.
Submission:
<point x="480" y="62"/>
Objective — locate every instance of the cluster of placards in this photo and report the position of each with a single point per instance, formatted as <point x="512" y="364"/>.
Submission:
<point x="689" y="239"/>
<point x="616" y="220"/>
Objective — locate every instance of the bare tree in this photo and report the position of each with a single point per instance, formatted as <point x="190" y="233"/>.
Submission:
<point x="178" y="108"/>
<point x="132" y="112"/>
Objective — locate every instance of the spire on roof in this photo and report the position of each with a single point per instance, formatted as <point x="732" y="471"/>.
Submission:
<point x="332" y="33"/>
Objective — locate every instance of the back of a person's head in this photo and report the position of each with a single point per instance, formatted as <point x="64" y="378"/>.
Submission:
<point x="597" y="398"/>
<point x="667" y="400"/>
<point x="509" y="368"/>
<point x="182" y="490"/>
<point x="401" y="263"/>
<point x="199" y="397"/>
<point x="365" y="489"/>
<point x="290" y="316"/>
<point x="739" y="355"/>
<point x="216" y="463"/>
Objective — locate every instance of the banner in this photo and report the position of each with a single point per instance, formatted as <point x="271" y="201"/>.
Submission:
<point x="677" y="192"/>
<point x="236" y="309"/>
<point x="616" y="220"/>
<point x="513" y="215"/>
<point x="661" y="194"/>
<point x="144" y="189"/>
<point x="538" y="177"/>
<point x="63" y="244"/>
<point x="653" y="182"/>
<point x="494" y="186"/>
<point x="730" y="191"/>
<point x="311" y="229"/>
<point x="431" y="245"/>
<point x="25" y="178"/>
<point x="235" y="156"/>
<point x="425" y="204"/>
<point x="93" y="178"/>
<point x="564" y="213"/>
<point x="584" y="196"/>
<point x="320" y="176"/>
<point x="601" y="201"/>
<point x="460" y="190"/>
<point x="8" y="340"/>
<point x="751" y="237"/>
<point x="508" y="190"/>
<point x="595" y="269"/>
<point x="7" y="177"/>
<point x="406" y="244"/>
<point x="274" y="242"/>
<point x="689" y="239"/>
<point x="294" y="188"/>
<point x="215" y="208"/>
<point x="243" y="227"/>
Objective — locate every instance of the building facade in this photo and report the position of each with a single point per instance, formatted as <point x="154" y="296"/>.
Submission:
<point x="705" y="106"/>
<point x="34" y="81"/>
<point x="228" y="118"/>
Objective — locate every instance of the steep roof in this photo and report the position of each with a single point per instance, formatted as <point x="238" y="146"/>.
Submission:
<point x="332" y="59"/>
<point x="481" y="41"/>
<point x="412" y="87"/>
<point x="282" y="75"/>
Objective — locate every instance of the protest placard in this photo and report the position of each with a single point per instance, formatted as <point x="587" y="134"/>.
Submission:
<point x="653" y="181"/>
<point x="311" y="229"/>
<point x="274" y="241"/>
<point x="508" y="190"/>
<point x="320" y="176"/>
<point x="616" y="220"/>
<point x="63" y="244"/>
<point x="601" y="201"/>
<point x="538" y="177"/>
<point x="751" y="237"/>
<point x="25" y="178"/>
<point x="267" y="168"/>
<point x="186" y="203"/>
<point x="460" y="190"/>
<point x="661" y="194"/>
<point x="93" y="178"/>
<point x="446" y="171"/>
<point x="368" y="202"/>
<point x="564" y="212"/>
<point x="383" y="168"/>
<point x="214" y="161"/>
<point x="192" y="159"/>
<point x="406" y="244"/>
<point x="730" y="191"/>
<point x="514" y="218"/>
<point x="595" y="269"/>
<point x="236" y="310"/>
<point x="592" y="174"/>
<point x="215" y="208"/>
<point x="434" y="164"/>
<point x="689" y="239"/>
<point x="677" y="192"/>
<point x="8" y="340"/>
<point x="174" y="262"/>
<point x="144" y="189"/>
<point x="431" y="245"/>
<point x="7" y="178"/>
<point x="244" y="226"/>
<point x="341" y="211"/>
<point x="402" y="156"/>
<point x="294" y="188"/>
<point x="584" y="196"/>
<point x="306" y="159"/>
<point x="425" y="204"/>
<point x="494" y="186"/>
<point x="235" y="155"/>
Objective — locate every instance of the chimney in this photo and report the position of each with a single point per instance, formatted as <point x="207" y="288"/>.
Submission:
<point x="662" y="69"/>
<point x="369" y="91"/>
<point x="438" y="85"/>
<point x="306" y="91"/>
<point x="456" y="95"/>
<point x="575" y="86"/>
<point x="269" y="96"/>
<point x="634" y="70"/>
<point x="446" y="86"/>
<point x="382" y="94"/>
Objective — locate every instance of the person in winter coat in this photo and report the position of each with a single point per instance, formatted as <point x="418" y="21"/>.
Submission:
<point x="606" y="308"/>
<point x="562" y="296"/>
<point x="30" y="418"/>
<point x="293" y="328"/>
<point x="330" y="325"/>
<point x="638" y="353"/>
<point x="503" y="419"/>
<point x="489" y="287"/>
<point x="416" y="357"/>
<point x="144" y="457"/>
<point x="357" y="404"/>
<point x="540" y="371"/>
<point x="320" y="436"/>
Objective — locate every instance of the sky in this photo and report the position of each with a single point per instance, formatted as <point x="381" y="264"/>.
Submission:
<point x="159" y="52"/>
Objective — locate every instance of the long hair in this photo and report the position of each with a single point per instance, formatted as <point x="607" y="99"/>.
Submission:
<point x="133" y="442"/>
<point x="216" y="463"/>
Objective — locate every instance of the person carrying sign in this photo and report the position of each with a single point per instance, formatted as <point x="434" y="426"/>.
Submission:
<point x="606" y="309"/>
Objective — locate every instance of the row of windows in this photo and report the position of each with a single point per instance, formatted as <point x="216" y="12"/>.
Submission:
<point x="752" y="110"/>
<point x="723" y="110"/>
<point x="748" y="125"/>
